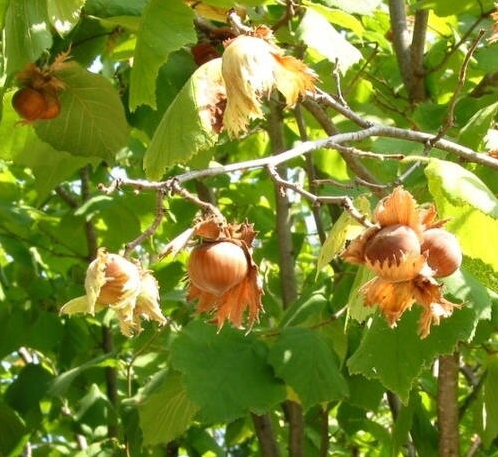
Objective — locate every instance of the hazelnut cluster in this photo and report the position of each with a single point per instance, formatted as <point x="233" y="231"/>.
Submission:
<point x="38" y="97"/>
<point x="407" y="249"/>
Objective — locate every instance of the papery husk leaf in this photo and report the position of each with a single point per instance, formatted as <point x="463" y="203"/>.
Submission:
<point x="95" y="279"/>
<point x="393" y="299"/>
<point x="210" y="229"/>
<point x="398" y="208"/>
<point x="178" y="243"/>
<point x="244" y="232"/>
<point x="147" y="306"/>
<point x="293" y="78"/>
<point x="428" y="293"/>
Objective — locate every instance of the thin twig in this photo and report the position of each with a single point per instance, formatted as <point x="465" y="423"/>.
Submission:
<point x="149" y="231"/>
<point x="462" y="40"/>
<point x="311" y="173"/>
<point x="337" y="78"/>
<point x="450" y="117"/>
<point x="343" y="201"/>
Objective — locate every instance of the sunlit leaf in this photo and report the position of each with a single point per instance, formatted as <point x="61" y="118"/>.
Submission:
<point x="91" y="121"/>
<point x="166" y="26"/>
<point x="186" y="128"/>
<point x="366" y="7"/>
<point x="64" y="14"/>
<point x="321" y="36"/>
<point x="27" y="33"/>
<point x="345" y="229"/>
<point x="338" y="17"/>
<point x="165" y="411"/>
<point x="473" y="212"/>
<point x="356" y="307"/>
<point x="472" y="134"/>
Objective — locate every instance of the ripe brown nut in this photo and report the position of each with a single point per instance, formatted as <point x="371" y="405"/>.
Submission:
<point x="444" y="254"/>
<point x="53" y="107"/>
<point x="118" y="272"/>
<point x="216" y="267"/>
<point x="391" y="243"/>
<point x="29" y="103"/>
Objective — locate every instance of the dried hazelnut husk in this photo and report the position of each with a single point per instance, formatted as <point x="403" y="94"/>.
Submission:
<point x="391" y="244"/>
<point x="29" y="103"/>
<point x="121" y="275"/>
<point x="112" y="282"/>
<point x="444" y="254"/>
<point x="216" y="267"/>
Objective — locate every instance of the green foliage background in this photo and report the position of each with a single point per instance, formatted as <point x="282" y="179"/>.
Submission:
<point x="75" y="386"/>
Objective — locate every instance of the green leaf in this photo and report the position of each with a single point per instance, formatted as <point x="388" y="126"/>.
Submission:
<point x="396" y="356"/>
<point x="321" y="36"/>
<point x="466" y="288"/>
<point x="185" y="129"/>
<point x="62" y="382"/>
<point x="356" y="307"/>
<point x="403" y="425"/>
<point x="165" y="27"/>
<point x="491" y="402"/>
<point x="338" y="17"/>
<point x="424" y="434"/>
<point x="472" y="134"/>
<point x="473" y="212"/>
<point x="302" y="358"/>
<point x="165" y="410"/>
<point x="304" y="309"/>
<point x="345" y="229"/>
<point x="91" y="121"/>
<point x="21" y="145"/>
<point x="25" y="393"/>
<point x="364" y="393"/>
<point x="14" y="432"/>
<point x="27" y="33"/>
<point x="365" y="7"/>
<point x="225" y="373"/>
<point x="64" y="14"/>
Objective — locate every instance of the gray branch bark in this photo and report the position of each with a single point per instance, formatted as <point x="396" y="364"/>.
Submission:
<point x="447" y="406"/>
<point x="293" y="411"/>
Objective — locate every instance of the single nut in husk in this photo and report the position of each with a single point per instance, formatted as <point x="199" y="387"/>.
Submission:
<point x="444" y="254"/>
<point x="119" y="274"/>
<point x="216" y="267"/>
<point x="391" y="244"/>
<point x="29" y="103"/>
<point x="53" y="107"/>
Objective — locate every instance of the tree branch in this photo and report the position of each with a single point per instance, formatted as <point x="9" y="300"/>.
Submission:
<point x="417" y="55"/>
<point x="266" y="437"/>
<point x="293" y="411"/>
<point x="401" y="42"/>
<point x="447" y="406"/>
